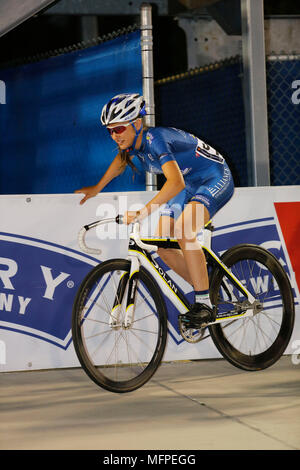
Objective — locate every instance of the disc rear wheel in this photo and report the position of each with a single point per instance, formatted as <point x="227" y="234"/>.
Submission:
<point x="258" y="341"/>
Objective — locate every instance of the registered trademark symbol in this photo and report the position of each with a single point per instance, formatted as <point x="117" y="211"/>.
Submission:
<point x="70" y="284"/>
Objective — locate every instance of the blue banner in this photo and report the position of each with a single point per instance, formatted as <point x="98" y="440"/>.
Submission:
<point x="52" y="140"/>
<point x="39" y="305"/>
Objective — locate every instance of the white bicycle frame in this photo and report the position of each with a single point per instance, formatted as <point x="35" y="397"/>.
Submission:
<point x="137" y="255"/>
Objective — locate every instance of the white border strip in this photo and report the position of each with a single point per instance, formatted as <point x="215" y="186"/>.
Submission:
<point x="45" y="246"/>
<point x="35" y="333"/>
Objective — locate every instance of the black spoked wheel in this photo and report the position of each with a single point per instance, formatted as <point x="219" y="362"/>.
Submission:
<point x="118" y="357"/>
<point x="252" y="342"/>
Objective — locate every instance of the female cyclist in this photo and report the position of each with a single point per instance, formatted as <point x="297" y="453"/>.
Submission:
<point x="198" y="183"/>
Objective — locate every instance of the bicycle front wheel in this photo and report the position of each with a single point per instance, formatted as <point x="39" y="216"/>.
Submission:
<point x="117" y="357"/>
<point x="258" y="341"/>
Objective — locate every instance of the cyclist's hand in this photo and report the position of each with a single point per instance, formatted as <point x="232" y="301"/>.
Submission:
<point x="130" y="216"/>
<point x="89" y="191"/>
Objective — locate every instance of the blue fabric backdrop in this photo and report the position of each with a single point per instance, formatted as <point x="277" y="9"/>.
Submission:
<point x="51" y="137"/>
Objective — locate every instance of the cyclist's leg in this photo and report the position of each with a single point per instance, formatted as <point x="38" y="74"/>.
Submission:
<point x="165" y="226"/>
<point x="188" y="225"/>
<point x="208" y="199"/>
<point x="172" y="257"/>
<point x="192" y="213"/>
<point x="206" y="202"/>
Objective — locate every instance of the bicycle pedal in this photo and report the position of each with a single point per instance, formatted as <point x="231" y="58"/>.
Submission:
<point x="188" y="322"/>
<point x="197" y="317"/>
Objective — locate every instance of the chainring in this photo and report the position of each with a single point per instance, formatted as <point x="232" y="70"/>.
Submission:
<point x="191" y="335"/>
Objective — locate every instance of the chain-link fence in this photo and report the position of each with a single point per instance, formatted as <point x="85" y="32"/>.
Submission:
<point x="283" y="93"/>
<point x="209" y="102"/>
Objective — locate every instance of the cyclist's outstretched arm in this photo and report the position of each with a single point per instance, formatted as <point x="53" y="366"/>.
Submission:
<point x="115" y="169"/>
<point x="173" y="185"/>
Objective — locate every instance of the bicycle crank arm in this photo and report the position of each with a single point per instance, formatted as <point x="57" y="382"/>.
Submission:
<point x="242" y="310"/>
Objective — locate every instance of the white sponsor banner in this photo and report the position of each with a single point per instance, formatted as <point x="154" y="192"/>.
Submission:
<point x="41" y="264"/>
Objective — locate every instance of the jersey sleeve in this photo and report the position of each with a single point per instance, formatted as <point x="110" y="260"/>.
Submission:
<point x="161" y="149"/>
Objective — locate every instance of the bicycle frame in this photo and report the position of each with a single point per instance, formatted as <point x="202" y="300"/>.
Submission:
<point x="139" y="255"/>
<point x="128" y="293"/>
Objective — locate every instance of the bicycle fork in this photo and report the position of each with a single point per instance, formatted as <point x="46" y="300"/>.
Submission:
<point x="129" y="278"/>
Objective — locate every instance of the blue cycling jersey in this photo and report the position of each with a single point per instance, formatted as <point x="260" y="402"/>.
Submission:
<point x="198" y="161"/>
<point x="206" y="175"/>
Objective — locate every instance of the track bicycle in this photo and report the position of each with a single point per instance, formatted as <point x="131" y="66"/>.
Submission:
<point x="120" y="319"/>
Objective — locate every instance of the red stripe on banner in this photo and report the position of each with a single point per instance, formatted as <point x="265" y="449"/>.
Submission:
<point x="288" y="214"/>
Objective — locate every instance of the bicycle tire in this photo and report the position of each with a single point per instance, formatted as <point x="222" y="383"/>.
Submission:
<point x="118" y="374"/>
<point x="278" y="298"/>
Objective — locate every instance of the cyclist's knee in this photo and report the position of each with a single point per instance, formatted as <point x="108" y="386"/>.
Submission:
<point x="160" y="252"/>
<point x="166" y="254"/>
<point x="163" y="252"/>
<point x="165" y="227"/>
<point x="184" y="233"/>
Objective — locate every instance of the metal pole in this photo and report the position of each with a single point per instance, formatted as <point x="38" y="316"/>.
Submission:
<point x="148" y="78"/>
<point x="89" y="27"/>
<point x="255" y="92"/>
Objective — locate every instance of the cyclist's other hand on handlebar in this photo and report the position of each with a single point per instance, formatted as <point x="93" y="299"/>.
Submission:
<point x="130" y="217"/>
<point x="89" y="191"/>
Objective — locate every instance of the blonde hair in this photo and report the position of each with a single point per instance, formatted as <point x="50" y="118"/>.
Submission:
<point x="125" y="154"/>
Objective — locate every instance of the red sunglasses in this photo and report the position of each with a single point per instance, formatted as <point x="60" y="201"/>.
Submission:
<point x="118" y="129"/>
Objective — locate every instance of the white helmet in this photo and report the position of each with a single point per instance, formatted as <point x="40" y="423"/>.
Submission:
<point x="124" y="107"/>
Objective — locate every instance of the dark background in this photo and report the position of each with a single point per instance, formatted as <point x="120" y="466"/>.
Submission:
<point x="45" y="33"/>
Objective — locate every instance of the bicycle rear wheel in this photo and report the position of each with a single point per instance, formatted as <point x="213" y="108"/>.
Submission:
<point x="118" y="358"/>
<point x="254" y="342"/>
